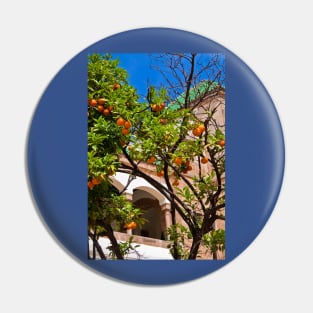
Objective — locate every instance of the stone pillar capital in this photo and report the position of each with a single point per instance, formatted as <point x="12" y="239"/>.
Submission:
<point x="129" y="196"/>
<point x="165" y="207"/>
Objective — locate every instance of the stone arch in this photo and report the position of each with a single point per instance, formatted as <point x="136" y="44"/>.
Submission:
<point x="120" y="180"/>
<point x="154" y="193"/>
<point x="150" y="200"/>
<point x="154" y="213"/>
<point x="117" y="183"/>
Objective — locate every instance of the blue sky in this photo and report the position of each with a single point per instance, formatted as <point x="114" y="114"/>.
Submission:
<point x="141" y="74"/>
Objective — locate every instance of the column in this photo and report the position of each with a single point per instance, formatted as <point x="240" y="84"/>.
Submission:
<point x="166" y="219"/>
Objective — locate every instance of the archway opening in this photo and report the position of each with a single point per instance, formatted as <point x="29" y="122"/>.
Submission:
<point x="154" y="227"/>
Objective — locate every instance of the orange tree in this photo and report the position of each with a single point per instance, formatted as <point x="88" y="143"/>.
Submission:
<point x="167" y="133"/>
<point x="111" y="106"/>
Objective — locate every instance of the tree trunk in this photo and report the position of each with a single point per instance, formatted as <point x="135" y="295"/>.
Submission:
<point x="194" y="247"/>
<point x="96" y="246"/>
<point x="115" y="246"/>
<point x="175" y="253"/>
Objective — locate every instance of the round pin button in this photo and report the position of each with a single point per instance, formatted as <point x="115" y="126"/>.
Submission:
<point x="213" y="179"/>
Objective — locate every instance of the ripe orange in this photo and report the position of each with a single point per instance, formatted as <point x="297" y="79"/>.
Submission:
<point x="189" y="168"/>
<point x="116" y="86"/>
<point x="154" y="107"/>
<point x="120" y="121"/>
<point x="101" y="101"/>
<point x="204" y="160"/>
<point x="127" y="124"/>
<point x="131" y="225"/>
<point x="178" y="161"/>
<point x="175" y="183"/>
<point x="95" y="181"/>
<point x="90" y="185"/>
<point x="100" y="108"/>
<point x="163" y="121"/>
<point x="201" y="128"/>
<point x="106" y="112"/>
<point x="151" y="160"/>
<point x="92" y="102"/>
<point x="162" y="106"/>
<point x="221" y="143"/>
<point x="197" y="132"/>
<point x="125" y="131"/>
<point x="160" y="173"/>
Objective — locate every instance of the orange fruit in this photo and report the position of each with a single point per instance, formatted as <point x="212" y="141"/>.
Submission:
<point x="125" y="131"/>
<point x="160" y="173"/>
<point x="106" y="112"/>
<point x="175" y="183"/>
<point x="197" y="132"/>
<point x="92" y="102"/>
<point x="221" y="143"/>
<point x="163" y="121"/>
<point x="178" y="161"/>
<point x="100" y="108"/>
<point x="151" y="160"/>
<point x="90" y="185"/>
<point x="204" y="160"/>
<point x="201" y="128"/>
<point x="101" y="101"/>
<point x="131" y="225"/>
<point x="127" y="124"/>
<point x="95" y="181"/>
<point x="189" y="168"/>
<point x="120" y="121"/>
<point x="116" y="86"/>
<point x="154" y="107"/>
